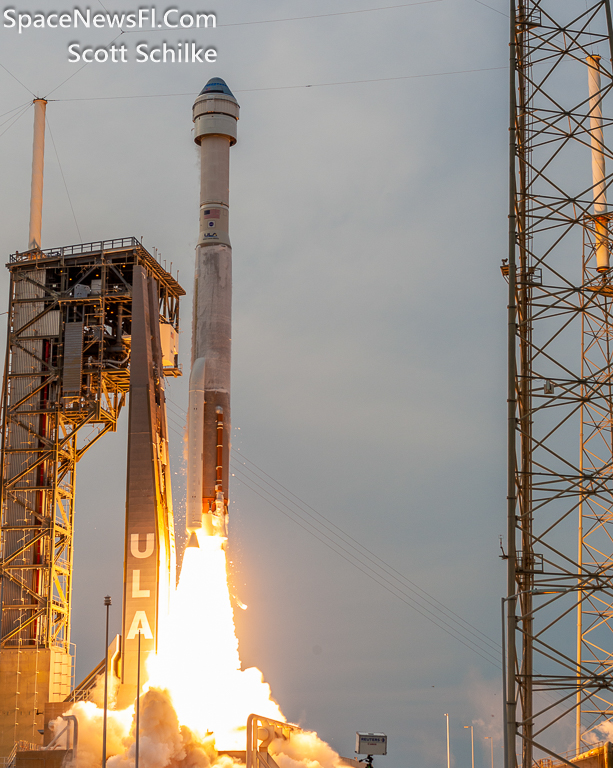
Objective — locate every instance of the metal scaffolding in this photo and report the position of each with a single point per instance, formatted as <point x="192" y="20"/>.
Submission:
<point x="560" y="398"/>
<point x="67" y="375"/>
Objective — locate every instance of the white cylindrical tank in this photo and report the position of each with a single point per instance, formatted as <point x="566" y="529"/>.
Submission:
<point x="598" y="164"/>
<point x="38" y="166"/>
<point x="215" y="117"/>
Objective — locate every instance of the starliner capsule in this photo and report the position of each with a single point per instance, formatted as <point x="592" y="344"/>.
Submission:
<point x="215" y="117"/>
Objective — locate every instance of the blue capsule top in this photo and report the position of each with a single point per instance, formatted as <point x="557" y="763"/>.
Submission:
<point x="216" y="85"/>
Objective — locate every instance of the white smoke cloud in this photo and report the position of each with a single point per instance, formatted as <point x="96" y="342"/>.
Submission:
<point x="163" y="743"/>
<point x="161" y="740"/>
<point x="89" y="745"/>
<point x="603" y="732"/>
<point x="304" y="750"/>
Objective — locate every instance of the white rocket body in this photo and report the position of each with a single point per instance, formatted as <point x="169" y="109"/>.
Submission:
<point x="215" y="117"/>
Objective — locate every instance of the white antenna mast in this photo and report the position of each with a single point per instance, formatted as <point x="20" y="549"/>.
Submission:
<point x="38" y="166"/>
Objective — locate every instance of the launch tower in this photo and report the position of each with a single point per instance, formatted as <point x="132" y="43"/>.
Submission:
<point x="559" y="603"/>
<point x="88" y="325"/>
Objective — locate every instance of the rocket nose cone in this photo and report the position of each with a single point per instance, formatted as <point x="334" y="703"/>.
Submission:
<point x="216" y="85"/>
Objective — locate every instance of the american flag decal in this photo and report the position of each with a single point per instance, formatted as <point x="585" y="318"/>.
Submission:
<point x="212" y="213"/>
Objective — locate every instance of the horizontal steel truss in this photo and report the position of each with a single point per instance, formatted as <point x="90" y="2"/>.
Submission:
<point x="560" y="593"/>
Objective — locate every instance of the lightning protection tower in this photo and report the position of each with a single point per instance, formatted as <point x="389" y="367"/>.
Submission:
<point x="559" y="671"/>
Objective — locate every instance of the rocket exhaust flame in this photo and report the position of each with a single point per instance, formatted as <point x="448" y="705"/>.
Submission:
<point x="209" y="690"/>
<point x="197" y="700"/>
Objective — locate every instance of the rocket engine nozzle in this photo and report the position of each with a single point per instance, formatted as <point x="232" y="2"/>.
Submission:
<point x="206" y="500"/>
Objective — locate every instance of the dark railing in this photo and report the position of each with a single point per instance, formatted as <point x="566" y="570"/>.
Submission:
<point x="20" y="746"/>
<point x="117" y="243"/>
<point x="82" y="691"/>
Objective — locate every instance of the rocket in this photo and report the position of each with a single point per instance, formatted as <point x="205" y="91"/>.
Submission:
<point x="215" y="115"/>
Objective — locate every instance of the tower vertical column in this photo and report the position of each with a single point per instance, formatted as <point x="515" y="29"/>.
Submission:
<point x="148" y="561"/>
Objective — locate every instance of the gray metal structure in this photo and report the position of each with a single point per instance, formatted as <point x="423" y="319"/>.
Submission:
<point x="74" y="319"/>
<point x="559" y="681"/>
<point x="149" y="559"/>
